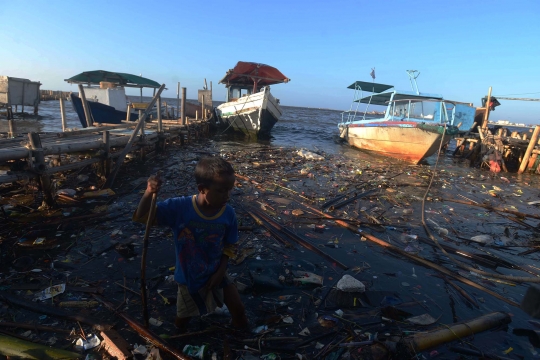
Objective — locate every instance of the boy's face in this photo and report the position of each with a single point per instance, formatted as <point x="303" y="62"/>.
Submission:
<point x="217" y="194"/>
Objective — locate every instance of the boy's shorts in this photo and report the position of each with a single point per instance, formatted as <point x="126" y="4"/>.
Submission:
<point x="200" y="303"/>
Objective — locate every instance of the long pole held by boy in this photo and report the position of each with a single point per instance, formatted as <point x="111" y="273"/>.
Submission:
<point x="205" y="231"/>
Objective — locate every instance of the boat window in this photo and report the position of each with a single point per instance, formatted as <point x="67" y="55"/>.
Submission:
<point x="423" y="110"/>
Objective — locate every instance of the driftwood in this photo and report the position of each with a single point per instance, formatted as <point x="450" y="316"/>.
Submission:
<point x="49" y="310"/>
<point x="142" y="331"/>
<point x="495" y="208"/>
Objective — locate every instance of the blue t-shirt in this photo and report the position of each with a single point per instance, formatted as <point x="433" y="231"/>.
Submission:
<point x="199" y="240"/>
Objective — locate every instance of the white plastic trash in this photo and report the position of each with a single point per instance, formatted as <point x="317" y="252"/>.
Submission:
<point x="349" y="284"/>
<point x="309" y="155"/>
<point x="483" y="239"/>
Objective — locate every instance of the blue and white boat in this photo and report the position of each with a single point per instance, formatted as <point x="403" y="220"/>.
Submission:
<point x="413" y="125"/>
<point x="106" y="95"/>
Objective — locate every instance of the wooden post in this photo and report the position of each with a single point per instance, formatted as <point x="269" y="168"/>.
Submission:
<point x="183" y="106"/>
<point x="11" y="125"/>
<point x="196" y="114"/>
<point x="142" y="128"/>
<point x="532" y="143"/>
<point x="40" y="167"/>
<point x="63" y="114"/>
<point x="159" y="122"/>
<point x="202" y="107"/>
<point x="87" y="114"/>
<point x="106" y="156"/>
<point x="178" y="99"/>
<point x="128" y="114"/>
<point x="486" y="114"/>
<point x="22" y="110"/>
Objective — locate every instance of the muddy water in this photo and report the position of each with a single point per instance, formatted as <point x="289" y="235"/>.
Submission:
<point x="384" y="273"/>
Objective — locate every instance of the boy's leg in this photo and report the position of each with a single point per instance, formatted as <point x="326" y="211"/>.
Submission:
<point x="231" y="298"/>
<point x="185" y="309"/>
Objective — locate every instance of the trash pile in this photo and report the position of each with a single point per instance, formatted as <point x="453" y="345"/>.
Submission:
<point x="339" y="257"/>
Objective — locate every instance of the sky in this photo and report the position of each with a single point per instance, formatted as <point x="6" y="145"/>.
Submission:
<point x="460" y="48"/>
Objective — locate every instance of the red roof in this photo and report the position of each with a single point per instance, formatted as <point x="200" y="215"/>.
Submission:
<point x="246" y="73"/>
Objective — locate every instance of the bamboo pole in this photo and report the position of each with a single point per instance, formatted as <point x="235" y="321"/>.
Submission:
<point x="63" y="114"/>
<point x="87" y="114"/>
<point x="532" y="144"/>
<point x="486" y="114"/>
<point x="422" y="341"/>
<point x="22" y="349"/>
<point x="140" y="123"/>
<point x="183" y="107"/>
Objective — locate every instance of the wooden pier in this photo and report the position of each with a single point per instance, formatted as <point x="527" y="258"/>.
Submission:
<point x="41" y="156"/>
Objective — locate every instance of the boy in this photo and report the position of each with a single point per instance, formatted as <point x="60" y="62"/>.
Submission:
<point x="205" y="231"/>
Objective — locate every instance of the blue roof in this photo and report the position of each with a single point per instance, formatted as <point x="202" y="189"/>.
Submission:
<point x="369" y="86"/>
<point x="384" y="98"/>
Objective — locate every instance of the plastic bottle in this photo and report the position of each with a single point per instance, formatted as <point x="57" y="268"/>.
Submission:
<point x="197" y="352"/>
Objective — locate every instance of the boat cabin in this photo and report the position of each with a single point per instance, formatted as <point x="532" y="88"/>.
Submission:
<point x="402" y="105"/>
<point x="248" y="78"/>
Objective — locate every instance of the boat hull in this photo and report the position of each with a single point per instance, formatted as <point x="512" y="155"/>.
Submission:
<point x="408" y="141"/>
<point x="254" y="115"/>
<point x="101" y="113"/>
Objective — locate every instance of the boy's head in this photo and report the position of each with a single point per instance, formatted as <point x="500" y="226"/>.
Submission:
<point x="215" y="179"/>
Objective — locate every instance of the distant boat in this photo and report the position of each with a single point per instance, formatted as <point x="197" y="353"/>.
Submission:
<point x="106" y="95"/>
<point x="250" y="107"/>
<point x="413" y="126"/>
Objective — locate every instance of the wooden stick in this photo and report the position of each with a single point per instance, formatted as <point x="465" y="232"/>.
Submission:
<point x="145" y="333"/>
<point x="140" y="123"/>
<point x="532" y="144"/>
<point x="143" y="258"/>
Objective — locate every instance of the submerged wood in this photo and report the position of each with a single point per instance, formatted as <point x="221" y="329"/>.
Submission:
<point x="417" y="258"/>
<point x="495" y="208"/>
<point x="33" y="327"/>
<point x="49" y="310"/>
<point x="299" y="240"/>
<point x="142" y="331"/>
<point x="10" y="346"/>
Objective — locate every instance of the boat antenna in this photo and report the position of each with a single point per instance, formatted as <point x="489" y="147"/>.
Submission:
<point x="413" y="74"/>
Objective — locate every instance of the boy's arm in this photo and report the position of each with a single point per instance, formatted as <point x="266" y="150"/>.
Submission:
<point x="152" y="187"/>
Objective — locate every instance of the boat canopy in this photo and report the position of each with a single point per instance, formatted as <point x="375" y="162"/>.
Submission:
<point x="369" y="86"/>
<point x="384" y="98"/>
<point x="123" y="79"/>
<point x="247" y="73"/>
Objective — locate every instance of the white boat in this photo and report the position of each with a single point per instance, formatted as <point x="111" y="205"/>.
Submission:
<point x="250" y="107"/>
<point x="415" y="125"/>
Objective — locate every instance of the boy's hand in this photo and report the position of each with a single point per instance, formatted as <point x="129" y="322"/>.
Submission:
<point x="214" y="280"/>
<point x="153" y="184"/>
